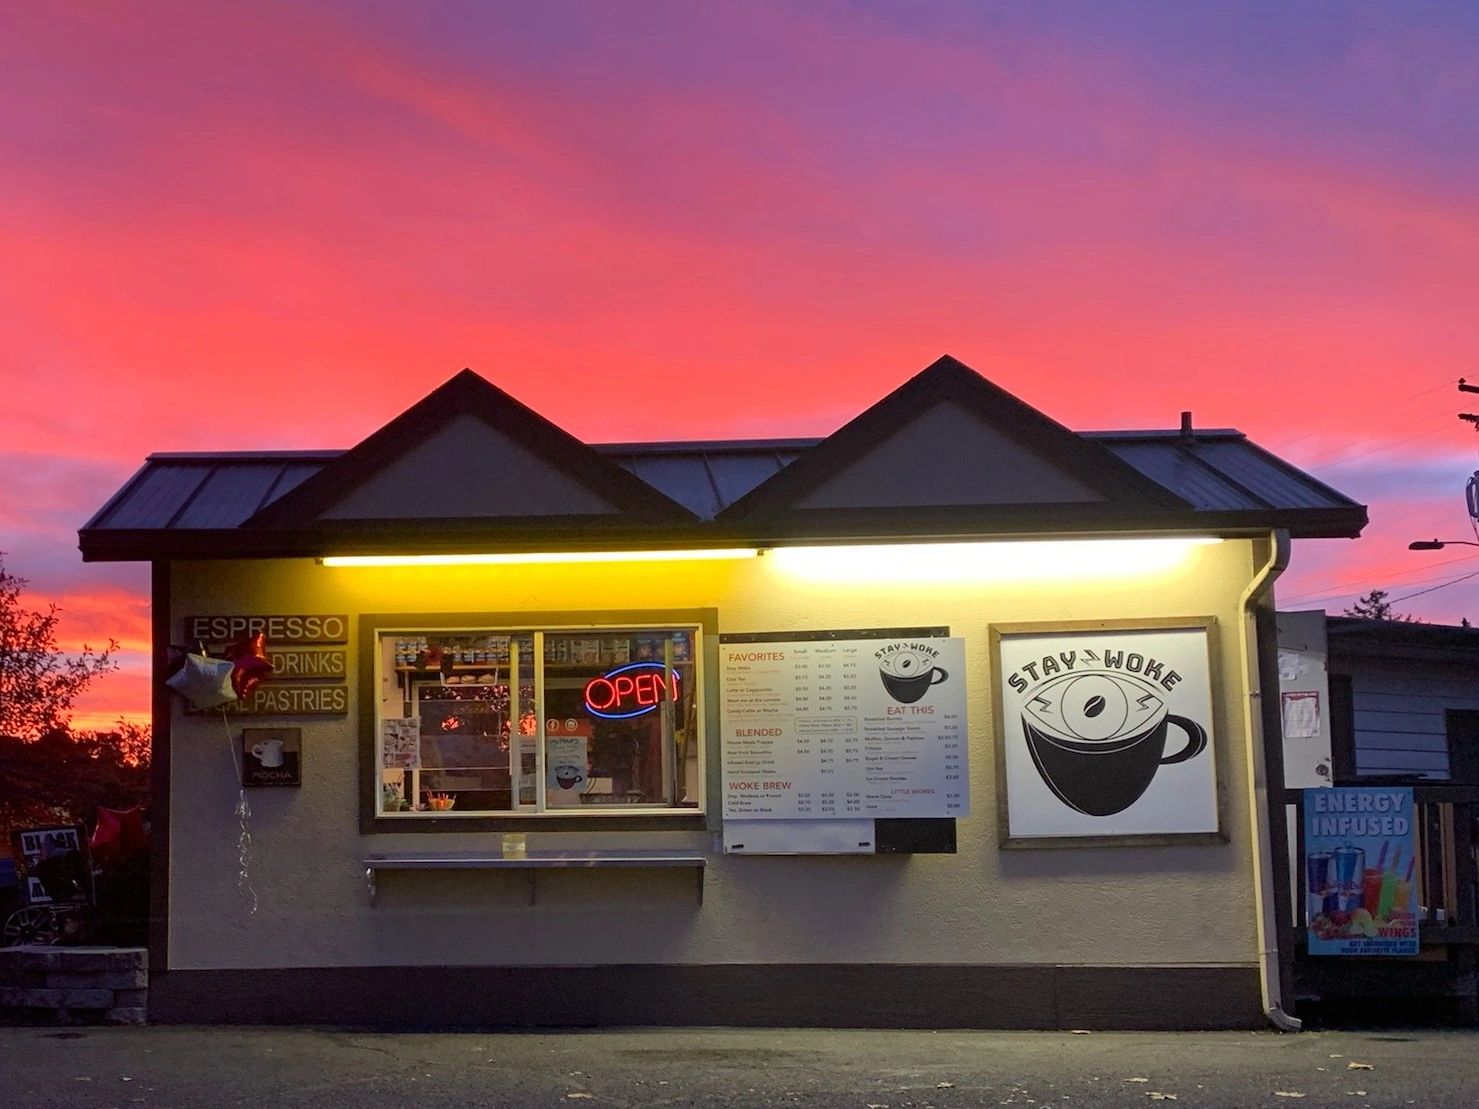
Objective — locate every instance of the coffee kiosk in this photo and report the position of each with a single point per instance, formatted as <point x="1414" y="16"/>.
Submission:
<point x="950" y="718"/>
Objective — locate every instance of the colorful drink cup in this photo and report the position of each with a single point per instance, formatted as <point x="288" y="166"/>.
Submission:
<point x="1350" y="867"/>
<point x="1371" y="889"/>
<point x="1319" y="873"/>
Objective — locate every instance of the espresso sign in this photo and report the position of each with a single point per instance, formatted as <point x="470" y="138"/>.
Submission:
<point x="279" y="630"/>
<point x="1105" y="733"/>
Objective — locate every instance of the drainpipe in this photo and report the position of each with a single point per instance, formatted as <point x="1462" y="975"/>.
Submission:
<point x="1263" y="868"/>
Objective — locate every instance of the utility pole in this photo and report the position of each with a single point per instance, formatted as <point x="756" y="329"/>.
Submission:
<point x="1469" y="417"/>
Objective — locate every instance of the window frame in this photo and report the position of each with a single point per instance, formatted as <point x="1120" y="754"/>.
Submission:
<point x="614" y="819"/>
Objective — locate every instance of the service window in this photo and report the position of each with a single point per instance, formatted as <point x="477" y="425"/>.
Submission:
<point x="499" y="721"/>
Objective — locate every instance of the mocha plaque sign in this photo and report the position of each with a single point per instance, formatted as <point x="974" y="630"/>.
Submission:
<point x="279" y="630"/>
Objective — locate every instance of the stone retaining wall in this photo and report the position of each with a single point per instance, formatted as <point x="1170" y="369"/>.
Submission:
<point x="74" y="985"/>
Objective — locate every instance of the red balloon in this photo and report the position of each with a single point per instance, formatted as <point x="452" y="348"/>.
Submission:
<point x="249" y="664"/>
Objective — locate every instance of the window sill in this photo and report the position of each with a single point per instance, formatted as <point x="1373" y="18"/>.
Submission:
<point x="676" y="820"/>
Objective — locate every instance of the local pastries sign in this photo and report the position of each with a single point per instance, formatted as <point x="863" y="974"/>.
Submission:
<point x="1105" y="733"/>
<point x="309" y="653"/>
<point x="827" y="729"/>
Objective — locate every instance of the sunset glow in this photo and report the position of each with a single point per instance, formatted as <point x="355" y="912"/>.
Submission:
<point x="237" y="226"/>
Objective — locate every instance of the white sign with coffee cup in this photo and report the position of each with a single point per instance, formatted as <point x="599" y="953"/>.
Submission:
<point x="844" y="729"/>
<point x="1106" y="733"/>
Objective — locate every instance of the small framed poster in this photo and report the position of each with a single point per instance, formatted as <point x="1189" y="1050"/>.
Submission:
<point x="1106" y="733"/>
<point x="272" y="756"/>
<point x="54" y="862"/>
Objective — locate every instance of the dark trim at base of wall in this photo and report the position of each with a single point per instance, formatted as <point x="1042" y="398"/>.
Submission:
<point x="775" y="995"/>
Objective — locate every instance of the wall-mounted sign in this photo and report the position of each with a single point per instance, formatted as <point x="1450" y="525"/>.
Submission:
<point x="843" y="728"/>
<point x="272" y="756"/>
<point x="307" y="662"/>
<point x="631" y="690"/>
<point x="1360" y="851"/>
<point x="308" y="651"/>
<point x="279" y="630"/>
<point x="1304" y="699"/>
<point x="1104" y="732"/>
<point x="286" y="699"/>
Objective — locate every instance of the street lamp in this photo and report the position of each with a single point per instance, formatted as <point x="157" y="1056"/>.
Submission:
<point x="1439" y="544"/>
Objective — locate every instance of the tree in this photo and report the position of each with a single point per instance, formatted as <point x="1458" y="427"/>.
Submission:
<point x="1375" y="606"/>
<point x="62" y="778"/>
<point x="38" y="681"/>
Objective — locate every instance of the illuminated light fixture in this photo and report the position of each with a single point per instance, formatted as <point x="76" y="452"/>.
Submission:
<point x="519" y="558"/>
<point x="1057" y="559"/>
<point x="631" y="690"/>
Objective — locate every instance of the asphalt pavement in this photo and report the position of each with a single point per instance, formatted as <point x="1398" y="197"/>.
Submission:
<point x="205" y="1068"/>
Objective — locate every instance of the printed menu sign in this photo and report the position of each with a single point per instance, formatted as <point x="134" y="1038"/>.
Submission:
<point x="832" y="729"/>
<point x="1360" y="858"/>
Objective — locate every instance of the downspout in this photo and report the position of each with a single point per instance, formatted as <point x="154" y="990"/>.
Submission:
<point x="1263" y="868"/>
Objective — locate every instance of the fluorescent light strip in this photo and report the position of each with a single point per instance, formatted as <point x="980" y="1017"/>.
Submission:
<point x="1035" y="560"/>
<point x="519" y="558"/>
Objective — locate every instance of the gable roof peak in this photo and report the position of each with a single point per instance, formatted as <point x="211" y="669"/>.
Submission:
<point x="585" y="475"/>
<point x="990" y="441"/>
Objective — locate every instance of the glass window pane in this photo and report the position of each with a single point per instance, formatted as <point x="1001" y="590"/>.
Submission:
<point x="454" y="702"/>
<point x="460" y="729"/>
<point x="620" y="711"/>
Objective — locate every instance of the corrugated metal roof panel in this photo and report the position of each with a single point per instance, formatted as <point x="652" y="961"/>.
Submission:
<point x="736" y="474"/>
<point x="153" y="498"/>
<point x="293" y="475"/>
<point x="229" y="495"/>
<point x="1279" y="485"/>
<point x="1179" y="472"/>
<point x="1215" y="472"/>
<point x="683" y="477"/>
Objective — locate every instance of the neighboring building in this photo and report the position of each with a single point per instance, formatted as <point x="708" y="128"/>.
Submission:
<point x="951" y="718"/>
<point x="1404" y="700"/>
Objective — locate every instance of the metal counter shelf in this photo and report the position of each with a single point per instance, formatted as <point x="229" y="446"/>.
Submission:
<point x="533" y="862"/>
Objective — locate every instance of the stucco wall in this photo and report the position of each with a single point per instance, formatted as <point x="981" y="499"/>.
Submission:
<point x="1112" y="906"/>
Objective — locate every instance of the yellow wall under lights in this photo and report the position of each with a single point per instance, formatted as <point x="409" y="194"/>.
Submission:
<point x="1184" y="904"/>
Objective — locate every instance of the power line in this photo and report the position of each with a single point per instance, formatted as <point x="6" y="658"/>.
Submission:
<point x="1385" y="445"/>
<point x="1435" y="588"/>
<point x="1373" y="582"/>
<point x="1385" y="406"/>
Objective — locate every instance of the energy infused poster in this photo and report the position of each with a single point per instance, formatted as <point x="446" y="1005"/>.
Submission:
<point x="844" y="729"/>
<point x="1360" y="851"/>
<point x="1105" y="733"/>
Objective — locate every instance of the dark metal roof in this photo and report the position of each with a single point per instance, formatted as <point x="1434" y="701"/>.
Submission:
<point x="1226" y="479"/>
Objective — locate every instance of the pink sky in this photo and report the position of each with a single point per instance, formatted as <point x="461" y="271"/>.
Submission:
<point x="237" y="226"/>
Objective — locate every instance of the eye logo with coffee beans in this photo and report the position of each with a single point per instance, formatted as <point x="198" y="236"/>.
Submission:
<point x="909" y="670"/>
<point x="1098" y="736"/>
<point x="1106" y="732"/>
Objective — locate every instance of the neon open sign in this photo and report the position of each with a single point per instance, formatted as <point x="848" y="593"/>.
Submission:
<point x="630" y="690"/>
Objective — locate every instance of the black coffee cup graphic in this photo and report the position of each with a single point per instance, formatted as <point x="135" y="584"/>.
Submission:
<point x="568" y="777"/>
<point x="908" y="674"/>
<point x="1097" y="739"/>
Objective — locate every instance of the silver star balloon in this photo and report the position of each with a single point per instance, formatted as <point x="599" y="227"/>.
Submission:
<point x="204" y="681"/>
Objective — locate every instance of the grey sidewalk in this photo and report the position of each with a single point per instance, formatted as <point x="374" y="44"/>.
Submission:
<point x="211" y="1067"/>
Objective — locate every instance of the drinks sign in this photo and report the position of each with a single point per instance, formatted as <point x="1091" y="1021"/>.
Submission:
<point x="1359" y="861"/>
<point x="1105" y="733"/>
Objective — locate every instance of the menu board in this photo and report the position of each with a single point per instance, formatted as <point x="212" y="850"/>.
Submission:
<point x="839" y="728"/>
